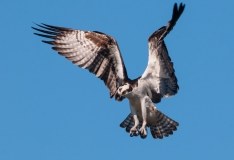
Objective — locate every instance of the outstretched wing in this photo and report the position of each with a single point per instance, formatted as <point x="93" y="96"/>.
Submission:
<point x="95" y="51"/>
<point x="160" y="74"/>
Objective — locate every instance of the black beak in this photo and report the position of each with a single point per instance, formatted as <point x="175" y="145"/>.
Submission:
<point x="118" y="97"/>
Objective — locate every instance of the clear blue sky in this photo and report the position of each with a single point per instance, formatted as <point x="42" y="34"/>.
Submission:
<point x="51" y="109"/>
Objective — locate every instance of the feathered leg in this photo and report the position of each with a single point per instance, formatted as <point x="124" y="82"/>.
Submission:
<point x="134" y="130"/>
<point x="143" y="131"/>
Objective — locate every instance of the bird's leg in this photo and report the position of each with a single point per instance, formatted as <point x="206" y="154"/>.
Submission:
<point x="134" y="130"/>
<point x="143" y="130"/>
<point x="144" y="115"/>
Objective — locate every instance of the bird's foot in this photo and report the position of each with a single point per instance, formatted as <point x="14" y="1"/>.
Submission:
<point x="134" y="131"/>
<point x="143" y="132"/>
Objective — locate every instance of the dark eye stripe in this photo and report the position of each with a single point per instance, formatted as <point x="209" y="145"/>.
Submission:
<point x="129" y="89"/>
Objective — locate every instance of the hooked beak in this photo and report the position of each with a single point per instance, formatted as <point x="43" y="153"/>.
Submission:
<point x="118" y="97"/>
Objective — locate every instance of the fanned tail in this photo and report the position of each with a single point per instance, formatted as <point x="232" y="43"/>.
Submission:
<point x="128" y="123"/>
<point x="164" y="126"/>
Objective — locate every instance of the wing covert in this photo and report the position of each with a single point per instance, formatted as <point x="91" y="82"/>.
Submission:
<point x="95" y="51"/>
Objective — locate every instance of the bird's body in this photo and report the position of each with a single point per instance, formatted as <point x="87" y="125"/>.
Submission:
<point x="143" y="112"/>
<point x="100" y="54"/>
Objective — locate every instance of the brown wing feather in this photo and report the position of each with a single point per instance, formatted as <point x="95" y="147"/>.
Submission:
<point x="160" y="73"/>
<point x="95" y="51"/>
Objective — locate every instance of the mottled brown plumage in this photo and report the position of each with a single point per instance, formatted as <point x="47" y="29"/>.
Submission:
<point x="100" y="54"/>
<point x="95" y="51"/>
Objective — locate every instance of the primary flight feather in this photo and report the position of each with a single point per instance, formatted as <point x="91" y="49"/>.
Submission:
<point x="100" y="54"/>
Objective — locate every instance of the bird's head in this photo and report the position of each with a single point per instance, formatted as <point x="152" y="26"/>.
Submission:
<point x="123" y="91"/>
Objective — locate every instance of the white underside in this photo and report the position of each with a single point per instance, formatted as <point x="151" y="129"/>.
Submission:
<point x="141" y="104"/>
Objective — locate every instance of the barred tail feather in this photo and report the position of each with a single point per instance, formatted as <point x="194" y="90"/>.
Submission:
<point x="128" y="123"/>
<point x="164" y="126"/>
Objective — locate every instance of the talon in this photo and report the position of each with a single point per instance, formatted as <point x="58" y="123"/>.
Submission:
<point x="143" y="136"/>
<point x="143" y="132"/>
<point x="134" y="132"/>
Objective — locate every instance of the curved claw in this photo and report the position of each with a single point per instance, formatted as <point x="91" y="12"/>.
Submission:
<point x="134" y="134"/>
<point x="143" y="136"/>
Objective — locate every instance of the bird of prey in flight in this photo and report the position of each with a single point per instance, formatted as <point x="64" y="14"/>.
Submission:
<point x="100" y="54"/>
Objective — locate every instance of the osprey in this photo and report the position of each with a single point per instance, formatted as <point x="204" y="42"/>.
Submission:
<point x="100" y="54"/>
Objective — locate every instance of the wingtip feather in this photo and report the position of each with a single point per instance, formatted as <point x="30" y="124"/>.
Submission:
<point x="46" y="36"/>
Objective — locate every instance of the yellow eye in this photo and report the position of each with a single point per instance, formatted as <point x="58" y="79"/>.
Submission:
<point x="124" y="92"/>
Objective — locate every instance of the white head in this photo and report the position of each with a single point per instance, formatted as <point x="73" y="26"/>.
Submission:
<point x="123" y="91"/>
